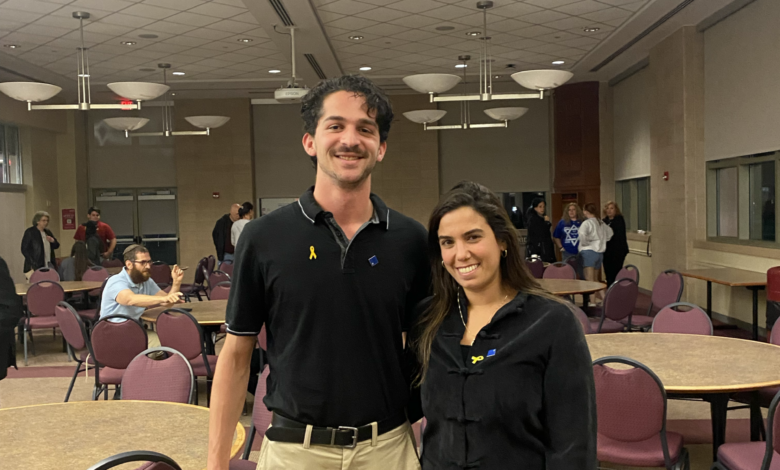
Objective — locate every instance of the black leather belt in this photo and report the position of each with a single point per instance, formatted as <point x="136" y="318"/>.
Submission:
<point x="287" y="430"/>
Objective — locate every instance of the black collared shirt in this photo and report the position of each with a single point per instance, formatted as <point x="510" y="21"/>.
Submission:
<point x="334" y="309"/>
<point x="525" y="399"/>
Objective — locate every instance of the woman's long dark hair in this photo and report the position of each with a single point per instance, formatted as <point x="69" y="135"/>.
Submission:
<point x="514" y="272"/>
<point x="80" y="260"/>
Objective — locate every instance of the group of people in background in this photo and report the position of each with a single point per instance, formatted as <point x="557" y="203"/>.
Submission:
<point x="580" y="233"/>
<point x="228" y="229"/>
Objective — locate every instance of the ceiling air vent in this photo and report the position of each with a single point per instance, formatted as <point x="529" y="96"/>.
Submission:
<point x="315" y="66"/>
<point x="282" y="12"/>
<point x="641" y="35"/>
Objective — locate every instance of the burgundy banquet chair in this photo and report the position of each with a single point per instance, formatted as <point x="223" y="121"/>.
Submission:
<point x="617" y="307"/>
<point x="75" y="334"/>
<point x="628" y="271"/>
<point x="261" y="419"/>
<point x="754" y="455"/>
<point x="536" y="268"/>
<point x="42" y="298"/>
<point x="169" y="379"/>
<point x="631" y="406"/>
<point x="116" y="340"/>
<point x="160" y="273"/>
<point x="217" y="277"/>
<point x="227" y="267"/>
<point x="693" y="321"/>
<point x="153" y="461"/>
<point x="559" y="271"/>
<point x="220" y="291"/>
<point x="197" y="287"/>
<point x="45" y="274"/>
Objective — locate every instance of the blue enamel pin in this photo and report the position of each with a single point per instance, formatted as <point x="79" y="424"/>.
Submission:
<point x="492" y="352"/>
<point x="373" y="261"/>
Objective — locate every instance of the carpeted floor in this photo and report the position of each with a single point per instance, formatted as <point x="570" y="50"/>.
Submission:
<point x="46" y="379"/>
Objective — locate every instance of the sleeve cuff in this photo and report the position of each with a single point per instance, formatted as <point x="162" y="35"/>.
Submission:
<point x="242" y="333"/>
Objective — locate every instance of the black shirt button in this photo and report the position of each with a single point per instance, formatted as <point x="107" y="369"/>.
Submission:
<point x="482" y="334"/>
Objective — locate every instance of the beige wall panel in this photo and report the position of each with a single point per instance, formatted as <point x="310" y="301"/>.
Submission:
<point x="631" y="118"/>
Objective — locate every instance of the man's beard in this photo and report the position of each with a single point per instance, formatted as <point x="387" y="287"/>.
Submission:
<point x="139" y="277"/>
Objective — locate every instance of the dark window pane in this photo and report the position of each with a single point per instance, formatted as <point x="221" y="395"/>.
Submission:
<point x="762" y="201"/>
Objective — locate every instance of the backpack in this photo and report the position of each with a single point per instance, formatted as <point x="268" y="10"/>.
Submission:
<point x="93" y="249"/>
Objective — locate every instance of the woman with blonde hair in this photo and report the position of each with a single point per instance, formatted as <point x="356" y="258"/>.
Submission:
<point x="566" y="234"/>
<point x="594" y="235"/>
<point x="617" y="246"/>
<point x="505" y="370"/>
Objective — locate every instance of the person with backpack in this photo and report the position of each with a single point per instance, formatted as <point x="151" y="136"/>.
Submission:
<point x="93" y="243"/>
<point x="104" y="234"/>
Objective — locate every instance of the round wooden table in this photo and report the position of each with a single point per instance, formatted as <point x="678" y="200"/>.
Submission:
<point x="570" y="286"/>
<point x="210" y="315"/>
<point x="67" y="286"/>
<point x="708" y="367"/>
<point x="81" y="434"/>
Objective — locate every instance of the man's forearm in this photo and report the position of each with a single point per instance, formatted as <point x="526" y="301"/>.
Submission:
<point x="111" y="246"/>
<point x="227" y="395"/>
<point x="146" y="301"/>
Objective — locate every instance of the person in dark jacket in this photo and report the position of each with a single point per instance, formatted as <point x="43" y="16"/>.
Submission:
<point x="221" y="234"/>
<point x="38" y="244"/>
<point x="617" y="246"/>
<point x="539" y="234"/>
<point x="505" y="369"/>
<point x="10" y="313"/>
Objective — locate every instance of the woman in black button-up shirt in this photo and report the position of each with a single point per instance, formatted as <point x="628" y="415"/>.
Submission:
<point x="506" y="373"/>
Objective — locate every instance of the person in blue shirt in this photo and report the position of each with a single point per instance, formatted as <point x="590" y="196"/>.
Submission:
<point x="566" y="234"/>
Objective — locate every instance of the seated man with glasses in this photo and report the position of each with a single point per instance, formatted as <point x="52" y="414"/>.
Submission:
<point x="132" y="290"/>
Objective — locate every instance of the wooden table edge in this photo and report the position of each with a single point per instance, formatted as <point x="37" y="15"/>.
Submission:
<point x="723" y="283"/>
<point x="149" y="319"/>
<point x="238" y="444"/>
<point x="579" y="291"/>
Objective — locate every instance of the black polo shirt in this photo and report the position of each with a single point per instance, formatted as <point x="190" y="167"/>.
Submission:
<point x="334" y="309"/>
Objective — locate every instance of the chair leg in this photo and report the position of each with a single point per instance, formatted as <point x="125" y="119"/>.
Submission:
<point x="208" y="392"/>
<point x="196" y="391"/>
<point x="25" y="346"/>
<point x="249" y="438"/>
<point x="105" y="393"/>
<point x="73" y="380"/>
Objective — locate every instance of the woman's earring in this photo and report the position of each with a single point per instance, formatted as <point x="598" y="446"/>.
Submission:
<point x="505" y="253"/>
<point x="442" y="263"/>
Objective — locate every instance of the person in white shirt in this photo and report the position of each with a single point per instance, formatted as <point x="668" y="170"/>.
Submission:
<point x="245" y="213"/>
<point x="594" y="235"/>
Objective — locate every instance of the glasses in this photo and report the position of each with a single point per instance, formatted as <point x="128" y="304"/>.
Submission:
<point x="143" y="263"/>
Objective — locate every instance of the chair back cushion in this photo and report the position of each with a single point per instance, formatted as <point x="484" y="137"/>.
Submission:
<point x="45" y="274"/>
<point x="536" y="268"/>
<point x="71" y="326"/>
<point x="227" y="268"/>
<point x="620" y="299"/>
<point x="161" y="273"/>
<point x="42" y="297"/>
<point x="690" y="322"/>
<point x="574" y="262"/>
<point x="629" y="403"/>
<point x="116" y="344"/>
<point x="216" y="277"/>
<point x="583" y="319"/>
<point x="95" y="274"/>
<point x="169" y="379"/>
<point x="178" y="331"/>
<point x="220" y="291"/>
<point x="112" y="263"/>
<point x="261" y="417"/>
<point x="559" y="271"/>
<point x="211" y="262"/>
<point x="200" y="271"/>
<point x="628" y="272"/>
<point x="667" y="289"/>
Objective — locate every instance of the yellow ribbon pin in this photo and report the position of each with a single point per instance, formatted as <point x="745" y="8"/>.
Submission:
<point x="313" y="255"/>
<point x="476" y="359"/>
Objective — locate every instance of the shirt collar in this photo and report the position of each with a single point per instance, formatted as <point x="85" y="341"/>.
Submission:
<point x="311" y="209"/>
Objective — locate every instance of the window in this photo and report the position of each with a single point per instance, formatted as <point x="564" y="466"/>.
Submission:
<point x="633" y="197"/>
<point x="10" y="155"/>
<point x="741" y="199"/>
<point x="517" y="204"/>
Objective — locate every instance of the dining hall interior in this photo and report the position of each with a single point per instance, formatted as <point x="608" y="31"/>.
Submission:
<point x="166" y="117"/>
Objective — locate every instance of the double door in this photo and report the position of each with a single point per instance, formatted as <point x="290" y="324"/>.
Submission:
<point x="146" y="217"/>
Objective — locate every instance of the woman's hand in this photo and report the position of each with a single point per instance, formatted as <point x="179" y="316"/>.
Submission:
<point x="546" y="218"/>
<point x="50" y="239"/>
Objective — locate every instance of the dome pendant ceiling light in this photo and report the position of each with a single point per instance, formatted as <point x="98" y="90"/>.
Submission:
<point x="435" y="83"/>
<point x="33" y="92"/>
<point x="129" y="124"/>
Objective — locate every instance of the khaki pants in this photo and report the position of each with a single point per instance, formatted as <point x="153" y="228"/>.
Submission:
<point x="394" y="450"/>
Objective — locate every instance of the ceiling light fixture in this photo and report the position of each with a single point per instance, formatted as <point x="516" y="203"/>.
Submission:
<point x="12" y="46"/>
<point x="356" y="37"/>
<point x="148" y="36"/>
<point x="436" y="83"/>
<point x="274" y="71"/>
<point x="591" y="29"/>
<point x="292" y="93"/>
<point x="365" y="69"/>
<point x="558" y="62"/>
<point x="129" y="124"/>
<point x="245" y="40"/>
<point x="179" y="73"/>
<point x="445" y="28"/>
<point x="474" y="33"/>
<point x="33" y="92"/>
<point x="128" y="43"/>
<point x="461" y="66"/>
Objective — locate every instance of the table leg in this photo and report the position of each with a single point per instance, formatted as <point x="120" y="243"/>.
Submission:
<point x="718" y="410"/>
<point x="709" y="299"/>
<point x="585" y="301"/>
<point x="755" y="290"/>
<point x="209" y="343"/>
<point x="756" y="419"/>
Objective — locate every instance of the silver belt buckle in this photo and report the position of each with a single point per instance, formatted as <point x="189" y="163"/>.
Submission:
<point x="354" y="435"/>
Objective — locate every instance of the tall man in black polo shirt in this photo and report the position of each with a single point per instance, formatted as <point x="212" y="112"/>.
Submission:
<point x="335" y="278"/>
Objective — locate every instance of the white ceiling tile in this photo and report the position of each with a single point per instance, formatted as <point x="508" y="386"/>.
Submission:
<point x="533" y="31"/>
<point x="19" y="15"/>
<point x="127" y="60"/>
<point x="223" y="46"/>
<point x="41" y="30"/>
<point x="384" y="43"/>
<point x="571" y="22"/>
<point x="246" y="17"/>
<point x="557" y="37"/>
<point x="443" y="41"/>
<point x="108" y="5"/>
<point x="550" y="3"/>
<point x="413" y="47"/>
<point x="144" y="54"/>
<point x="100" y="27"/>
<point x="382" y="14"/>
<point x="618" y="3"/>
<point x="164" y="47"/>
<point x="31" y="6"/>
<point x="346" y="7"/>
<point x="211" y="34"/>
<point x="474" y="19"/>
<point x="379" y="3"/>
<point x="414" y="6"/>
<point x="358" y="49"/>
<point x="192" y="19"/>
<point x="513" y="10"/>
<point x="232" y="26"/>
<point x="214" y="62"/>
<point x="415" y="35"/>
<point x="545" y="16"/>
<point x="26" y="40"/>
<point x="245" y="68"/>
<point x="507" y="26"/>
<point x="89" y="38"/>
<point x="616" y="22"/>
<point x="186" y="41"/>
<point x="633" y="6"/>
<point x="582" y="7"/>
<point x="581" y="42"/>
<point x="608" y="14"/>
<point x="217" y="10"/>
<point x="148" y="11"/>
<point x="255" y="33"/>
<point x="352" y="23"/>
<point x="328" y="16"/>
<point x="166" y="26"/>
<point x="448" y="12"/>
<point x="114" y="49"/>
<point x="180" y="5"/>
<point x="385" y="29"/>
<point x="51" y="20"/>
<point x="385" y="54"/>
<point x="416" y="21"/>
<point x="233" y="3"/>
<point x="127" y="20"/>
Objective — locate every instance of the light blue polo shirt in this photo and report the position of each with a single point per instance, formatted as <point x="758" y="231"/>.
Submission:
<point x="118" y="283"/>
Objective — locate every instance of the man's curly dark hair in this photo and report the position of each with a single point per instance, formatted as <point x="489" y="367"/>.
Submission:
<point x="376" y="100"/>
